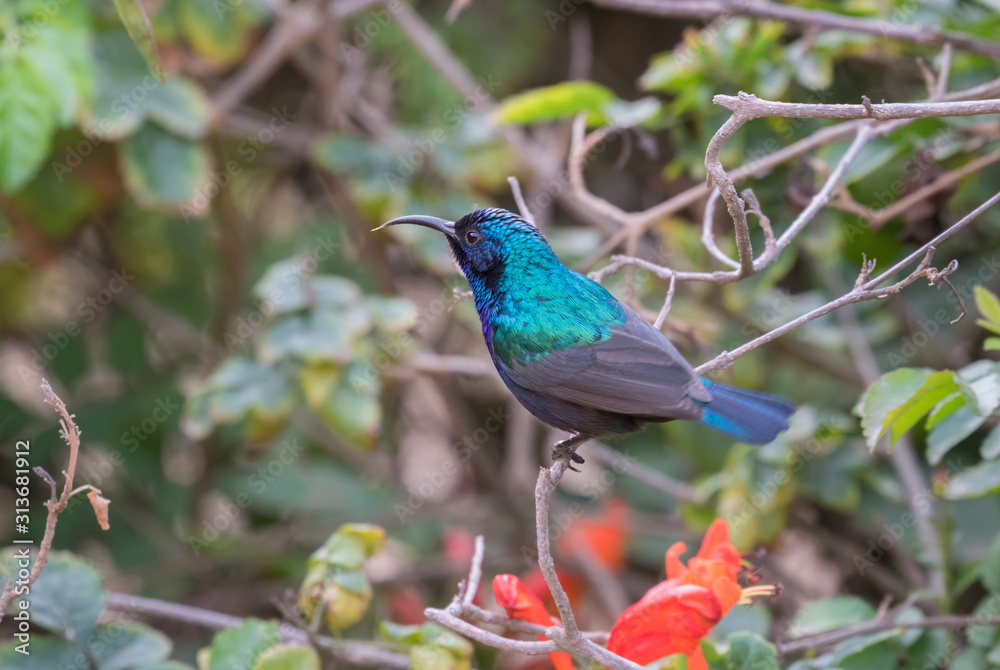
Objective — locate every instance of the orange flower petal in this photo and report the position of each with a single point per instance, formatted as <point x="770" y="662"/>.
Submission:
<point x="604" y="536"/>
<point x="696" y="661"/>
<point x="716" y="546"/>
<point x="675" y="568"/>
<point x="670" y="619"/>
<point x="728" y="592"/>
<point x="520" y="603"/>
<point x="572" y="582"/>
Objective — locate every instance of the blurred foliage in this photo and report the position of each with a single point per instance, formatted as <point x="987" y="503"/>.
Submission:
<point x="253" y="369"/>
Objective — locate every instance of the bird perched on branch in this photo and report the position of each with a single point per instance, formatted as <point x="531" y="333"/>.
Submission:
<point x="576" y="357"/>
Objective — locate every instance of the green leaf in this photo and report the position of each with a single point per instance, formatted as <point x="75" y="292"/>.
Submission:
<point x="322" y="336"/>
<point x="888" y="393"/>
<point x="946" y="408"/>
<point x="748" y="651"/>
<point x="989" y="569"/>
<point x="975" y="482"/>
<point x="353" y="410"/>
<point x="989" y="306"/>
<point x="27" y="121"/>
<point x="350" y="545"/>
<point x="165" y="171"/>
<point x="288" y="657"/>
<point x="969" y="659"/>
<point x="180" y="106"/>
<point x="61" y="60"/>
<point x="238" y="648"/>
<point x="392" y="315"/>
<point x="221" y="32"/>
<point x="439" y="636"/>
<point x="828" y="614"/>
<point x="140" y="30"/>
<point x="622" y="114"/>
<point x="950" y="432"/>
<point x="127" y="646"/>
<point x="122" y="85"/>
<point x="985" y="636"/>
<point x="990" y="448"/>
<point x="935" y="388"/>
<point x="44" y="653"/>
<point x="981" y="385"/>
<point x="400" y="633"/>
<point x="287" y="287"/>
<point x="68" y="597"/>
<point x="560" y="101"/>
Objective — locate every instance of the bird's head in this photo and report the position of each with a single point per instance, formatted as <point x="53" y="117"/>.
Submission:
<point x="486" y="238"/>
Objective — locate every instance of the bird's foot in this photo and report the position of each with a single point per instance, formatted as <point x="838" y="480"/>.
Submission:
<point x="567" y="449"/>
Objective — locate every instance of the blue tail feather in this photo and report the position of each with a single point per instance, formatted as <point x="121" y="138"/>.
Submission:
<point x="748" y="416"/>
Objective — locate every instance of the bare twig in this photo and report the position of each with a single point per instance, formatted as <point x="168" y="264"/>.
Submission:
<point x="669" y="486"/>
<point x="866" y="290"/>
<point x="635" y="223"/>
<point x="70" y="434"/>
<point x="522" y="206"/>
<point x="879" y="625"/>
<point x="667" y="302"/>
<point x="297" y="24"/>
<point x="812" y="19"/>
<point x="903" y="457"/>
<point x="748" y="106"/>
<point x="365" y="654"/>
<point x="708" y="232"/>
<point x="879" y="217"/>
<point x="475" y="573"/>
<point x="462" y="607"/>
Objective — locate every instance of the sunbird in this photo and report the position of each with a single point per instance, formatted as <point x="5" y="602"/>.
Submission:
<point x="576" y="357"/>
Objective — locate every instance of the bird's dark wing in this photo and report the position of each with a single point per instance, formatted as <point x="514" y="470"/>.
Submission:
<point x="636" y="371"/>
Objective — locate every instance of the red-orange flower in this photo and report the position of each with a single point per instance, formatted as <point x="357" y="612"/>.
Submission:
<point x="603" y="536"/>
<point x="676" y="614"/>
<point x="573" y="584"/>
<point x="671" y="618"/>
<point x="520" y="603"/>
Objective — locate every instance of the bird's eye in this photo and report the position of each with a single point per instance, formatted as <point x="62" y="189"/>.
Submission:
<point x="472" y="238"/>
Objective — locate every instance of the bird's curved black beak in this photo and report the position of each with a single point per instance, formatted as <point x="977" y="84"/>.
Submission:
<point x="440" y="225"/>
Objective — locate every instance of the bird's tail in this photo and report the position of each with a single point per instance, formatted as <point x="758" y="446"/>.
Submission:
<point x="749" y="416"/>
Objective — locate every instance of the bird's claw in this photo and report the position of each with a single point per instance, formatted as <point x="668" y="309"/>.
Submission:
<point x="567" y="449"/>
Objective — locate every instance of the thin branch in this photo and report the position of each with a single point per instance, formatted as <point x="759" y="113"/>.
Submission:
<point x="297" y="23"/>
<point x="70" y="434"/>
<point x="548" y="480"/>
<point x="879" y="217"/>
<point x="522" y="206"/>
<point x="880" y="625"/>
<point x="708" y="232"/>
<point x="718" y="177"/>
<point x="812" y="19"/>
<point x="635" y="223"/>
<point x="669" y="486"/>
<point x="472" y="632"/>
<point x="866" y="290"/>
<point x="903" y="457"/>
<point x="667" y="302"/>
<point x="748" y="106"/>
<point x="475" y="573"/>
<point x="462" y="606"/>
<point x="363" y="654"/>
<point x="568" y="636"/>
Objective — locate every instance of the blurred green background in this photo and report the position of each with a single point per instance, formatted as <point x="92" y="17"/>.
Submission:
<point x="189" y="263"/>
